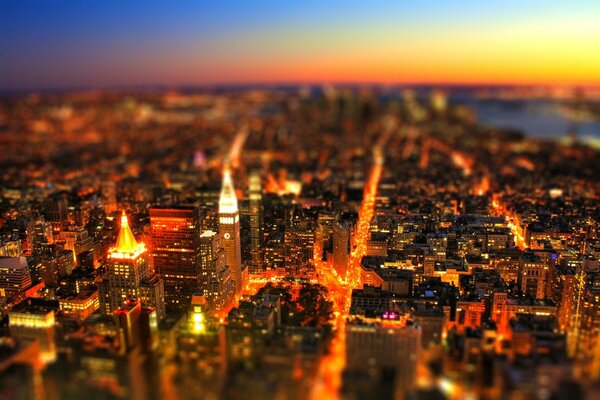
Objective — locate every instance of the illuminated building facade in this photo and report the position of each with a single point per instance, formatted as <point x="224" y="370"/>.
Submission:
<point x="197" y="322"/>
<point x="56" y="209"/>
<point x="128" y="277"/>
<point x="10" y="248"/>
<point x="14" y="276"/>
<point x="256" y="222"/>
<point x="33" y="319"/>
<point x="176" y="250"/>
<point x="342" y="239"/>
<point x="77" y="240"/>
<point x="40" y="237"/>
<point x="229" y="229"/>
<point x="299" y="244"/>
<point x="508" y="263"/>
<point x="534" y="278"/>
<point x="469" y="314"/>
<point x="79" y="306"/>
<point x="438" y="245"/>
<point x="377" y="244"/>
<point x="428" y="264"/>
<point x="207" y="196"/>
<point x="565" y="295"/>
<point x="64" y="264"/>
<point x="219" y="286"/>
<point x="152" y="294"/>
<point x="586" y="330"/>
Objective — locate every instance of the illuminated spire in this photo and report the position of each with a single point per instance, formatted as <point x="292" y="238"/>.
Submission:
<point x="228" y="201"/>
<point x="126" y="241"/>
<point x="127" y="247"/>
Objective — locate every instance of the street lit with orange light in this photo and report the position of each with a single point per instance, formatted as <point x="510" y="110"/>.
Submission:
<point x="512" y="221"/>
<point x="362" y="231"/>
<point x="332" y="365"/>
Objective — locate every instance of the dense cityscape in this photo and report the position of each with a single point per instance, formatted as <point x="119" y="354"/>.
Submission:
<point x="317" y="200"/>
<point x="293" y="243"/>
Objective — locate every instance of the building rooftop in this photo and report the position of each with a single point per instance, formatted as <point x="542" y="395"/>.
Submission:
<point x="13" y="263"/>
<point x="126" y="247"/>
<point x="35" y="306"/>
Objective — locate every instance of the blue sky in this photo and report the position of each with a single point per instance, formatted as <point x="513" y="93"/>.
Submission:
<point x="53" y="44"/>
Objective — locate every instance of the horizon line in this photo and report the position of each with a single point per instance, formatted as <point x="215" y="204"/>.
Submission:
<point x="262" y="84"/>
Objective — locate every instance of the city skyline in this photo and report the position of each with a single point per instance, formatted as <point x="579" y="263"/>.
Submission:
<point x="299" y="201"/>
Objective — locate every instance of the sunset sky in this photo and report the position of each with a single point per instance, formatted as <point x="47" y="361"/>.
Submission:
<point x="107" y="43"/>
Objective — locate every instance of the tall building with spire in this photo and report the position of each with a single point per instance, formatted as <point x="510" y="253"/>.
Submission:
<point x="128" y="277"/>
<point x="229" y="229"/>
<point x="255" y="195"/>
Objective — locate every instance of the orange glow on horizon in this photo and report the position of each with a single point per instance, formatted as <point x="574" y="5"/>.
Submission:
<point x="548" y="52"/>
<point x="470" y="44"/>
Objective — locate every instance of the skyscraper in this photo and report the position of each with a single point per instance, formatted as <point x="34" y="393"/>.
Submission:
<point x="40" y="238"/>
<point x="229" y="229"/>
<point x="176" y="250"/>
<point x="128" y="277"/>
<point x="219" y="285"/>
<point x="56" y="208"/>
<point x="342" y="238"/>
<point x="76" y="239"/>
<point x="534" y="276"/>
<point x="299" y="249"/>
<point x="255" y="189"/>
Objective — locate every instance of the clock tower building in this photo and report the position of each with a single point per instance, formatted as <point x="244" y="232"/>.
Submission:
<point x="229" y="229"/>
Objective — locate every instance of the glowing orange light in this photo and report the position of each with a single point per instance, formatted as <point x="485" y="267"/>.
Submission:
<point x="126" y="247"/>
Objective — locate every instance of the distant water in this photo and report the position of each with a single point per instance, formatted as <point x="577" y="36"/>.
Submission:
<point x="536" y="118"/>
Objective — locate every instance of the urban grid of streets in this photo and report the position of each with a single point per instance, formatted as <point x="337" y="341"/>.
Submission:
<point x="445" y="166"/>
<point x="329" y="379"/>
